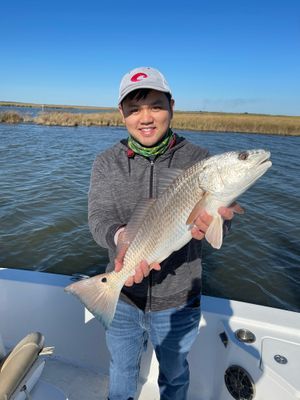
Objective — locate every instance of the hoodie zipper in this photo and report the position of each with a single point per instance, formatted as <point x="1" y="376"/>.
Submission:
<point x="151" y="189"/>
<point x="151" y="178"/>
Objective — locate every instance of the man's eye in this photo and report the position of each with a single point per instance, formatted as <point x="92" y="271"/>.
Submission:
<point x="156" y="108"/>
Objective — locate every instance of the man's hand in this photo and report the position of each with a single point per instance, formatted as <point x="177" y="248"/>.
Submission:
<point x="141" y="271"/>
<point x="203" y="220"/>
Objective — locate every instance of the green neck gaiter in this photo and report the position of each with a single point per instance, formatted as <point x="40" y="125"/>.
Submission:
<point x="160" y="148"/>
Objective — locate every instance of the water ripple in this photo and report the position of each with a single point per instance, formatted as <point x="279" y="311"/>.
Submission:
<point x="43" y="211"/>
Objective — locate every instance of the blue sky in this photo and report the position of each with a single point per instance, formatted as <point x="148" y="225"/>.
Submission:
<point x="232" y="56"/>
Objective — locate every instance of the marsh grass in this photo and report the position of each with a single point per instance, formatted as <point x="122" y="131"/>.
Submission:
<point x="70" y="119"/>
<point x="247" y="123"/>
<point x="198" y="121"/>
<point x="11" y="117"/>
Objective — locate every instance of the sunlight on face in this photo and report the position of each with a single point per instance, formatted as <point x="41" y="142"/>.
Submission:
<point x="147" y="120"/>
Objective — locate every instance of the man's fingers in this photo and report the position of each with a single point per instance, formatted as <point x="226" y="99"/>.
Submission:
<point x="237" y="209"/>
<point x="144" y="268"/>
<point x="197" y="234"/>
<point x="155" y="266"/>
<point x="119" y="261"/>
<point x="201" y="225"/>
<point x="141" y="272"/>
<point x="130" y="281"/>
<point x="120" y="258"/>
<point x="228" y="212"/>
<point x="203" y="219"/>
<point x="121" y="252"/>
<point x="118" y="265"/>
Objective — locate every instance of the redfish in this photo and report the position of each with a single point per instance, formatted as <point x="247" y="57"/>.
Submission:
<point x="163" y="225"/>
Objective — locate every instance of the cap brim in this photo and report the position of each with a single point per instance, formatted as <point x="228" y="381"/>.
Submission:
<point x="143" y="86"/>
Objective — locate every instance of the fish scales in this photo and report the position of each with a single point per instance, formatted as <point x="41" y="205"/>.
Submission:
<point x="160" y="232"/>
<point x="166" y="227"/>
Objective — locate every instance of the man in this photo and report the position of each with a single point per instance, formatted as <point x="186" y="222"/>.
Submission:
<point x="160" y="302"/>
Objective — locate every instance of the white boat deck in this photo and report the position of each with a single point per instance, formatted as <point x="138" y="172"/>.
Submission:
<point x="75" y="382"/>
<point x="79" y="383"/>
<point x="32" y="301"/>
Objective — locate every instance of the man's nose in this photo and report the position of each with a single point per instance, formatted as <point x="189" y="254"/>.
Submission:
<point x="146" y="116"/>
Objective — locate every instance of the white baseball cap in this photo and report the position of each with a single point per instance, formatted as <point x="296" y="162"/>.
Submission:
<point x="143" y="78"/>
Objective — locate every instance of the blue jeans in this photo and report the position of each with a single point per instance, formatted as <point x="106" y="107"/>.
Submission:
<point x="172" y="333"/>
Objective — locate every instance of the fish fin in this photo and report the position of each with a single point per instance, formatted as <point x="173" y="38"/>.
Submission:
<point x="98" y="295"/>
<point x="196" y="210"/>
<point x="166" y="177"/>
<point x="138" y="217"/>
<point x="214" y="233"/>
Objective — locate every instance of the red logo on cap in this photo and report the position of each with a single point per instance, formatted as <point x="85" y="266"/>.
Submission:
<point x="138" y="77"/>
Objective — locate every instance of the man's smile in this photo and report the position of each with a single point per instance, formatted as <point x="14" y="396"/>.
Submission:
<point x="148" y="131"/>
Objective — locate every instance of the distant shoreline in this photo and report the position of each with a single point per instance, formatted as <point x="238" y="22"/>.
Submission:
<point x="51" y="106"/>
<point x="75" y="107"/>
<point x="185" y="120"/>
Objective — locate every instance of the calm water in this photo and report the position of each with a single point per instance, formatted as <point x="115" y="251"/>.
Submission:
<point x="34" y="111"/>
<point x="43" y="211"/>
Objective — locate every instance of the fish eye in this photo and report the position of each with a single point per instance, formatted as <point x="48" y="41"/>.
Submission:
<point x="243" y="155"/>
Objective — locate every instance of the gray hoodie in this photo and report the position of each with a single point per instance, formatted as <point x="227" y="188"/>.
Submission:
<point x="119" y="181"/>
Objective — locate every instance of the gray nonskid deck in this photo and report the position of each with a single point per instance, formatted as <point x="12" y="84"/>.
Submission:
<point x="77" y="383"/>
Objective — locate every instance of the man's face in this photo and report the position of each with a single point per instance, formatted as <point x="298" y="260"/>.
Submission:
<point x="147" y="120"/>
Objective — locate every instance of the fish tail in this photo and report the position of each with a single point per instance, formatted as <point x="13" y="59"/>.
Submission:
<point x="99" y="295"/>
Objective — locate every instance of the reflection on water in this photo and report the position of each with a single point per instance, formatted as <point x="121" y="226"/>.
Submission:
<point x="43" y="211"/>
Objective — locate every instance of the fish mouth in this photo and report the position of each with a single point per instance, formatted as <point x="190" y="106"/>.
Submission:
<point x="264" y="161"/>
<point x="261" y="163"/>
<point x="257" y="158"/>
